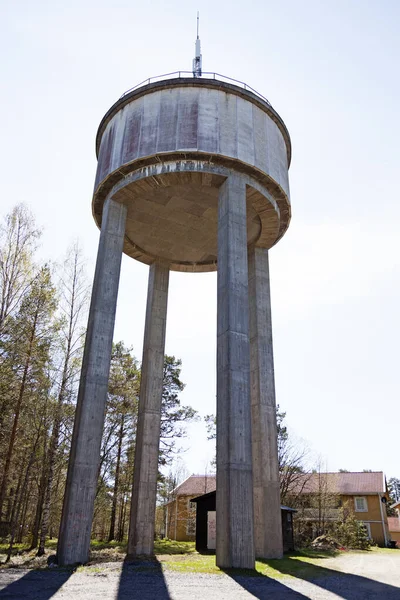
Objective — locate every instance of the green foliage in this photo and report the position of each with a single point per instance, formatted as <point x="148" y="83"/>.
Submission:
<point x="351" y="532"/>
<point x="174" y="415"/>
<point x="394" y="495"/>
<point x="211" y="426"/>
<point x="117" y="454"/>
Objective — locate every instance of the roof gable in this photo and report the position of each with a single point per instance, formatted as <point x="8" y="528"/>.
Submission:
<point x="195" y="485"/>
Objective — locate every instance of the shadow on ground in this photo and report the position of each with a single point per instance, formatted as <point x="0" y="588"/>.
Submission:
<point x="345" y="585"/>
<point x="261" y="586"/>
<point x="142" y="579"/>
<point x="41" y="584"/>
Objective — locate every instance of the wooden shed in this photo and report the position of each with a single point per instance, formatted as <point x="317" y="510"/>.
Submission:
<point x="205" y="523"/>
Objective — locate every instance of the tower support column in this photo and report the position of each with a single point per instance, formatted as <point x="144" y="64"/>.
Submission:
<point x="143" y="506"/>
<point x="83" y="466"/>
<point x="235" y="536"/>
<point x="267" y="509"/>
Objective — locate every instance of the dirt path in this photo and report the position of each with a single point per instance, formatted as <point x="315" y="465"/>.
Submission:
<point x="355" y="576"/>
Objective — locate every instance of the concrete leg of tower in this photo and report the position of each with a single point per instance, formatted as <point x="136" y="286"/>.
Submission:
<point x="143" y="506"/>
<point x="267" y="511"/>
<point x="83" y="466"/>
<point x="235" y="536"/>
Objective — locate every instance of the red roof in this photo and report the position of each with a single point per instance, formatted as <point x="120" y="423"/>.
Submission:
<point x="394" y="524"/>
<point x="336" y="483"/>
<point x="342" y="483"/>
<point x="196" y="485"/>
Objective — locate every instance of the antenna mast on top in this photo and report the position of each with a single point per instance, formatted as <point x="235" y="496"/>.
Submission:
<point x="197" y="59"/>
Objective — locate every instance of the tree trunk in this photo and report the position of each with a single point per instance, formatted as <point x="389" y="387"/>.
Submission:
<point x="120" y="518"/>
<point x="50" y="474"/>
<point x="14" y="524"/>
<point x="39" y="509"/>
<point x="58" y="417"/>
<point x="6" y="472"/>
<point x="16" y="496"/>
<point x="25" y="503"/>
<point x="116" y="482"/>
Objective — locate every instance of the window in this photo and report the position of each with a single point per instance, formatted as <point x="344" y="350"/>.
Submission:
<point x="368" y="528"/>
<point x="191" y="505"/>
<point x="191" y="526"/>
<point x="360" y="504"/>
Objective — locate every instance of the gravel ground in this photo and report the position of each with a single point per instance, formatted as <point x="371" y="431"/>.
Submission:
<point x="351" y="577"/>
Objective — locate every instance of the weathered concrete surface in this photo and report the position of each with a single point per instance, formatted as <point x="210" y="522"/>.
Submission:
<point x="235" y="541"/>
<point x="172" y="212"/>
<point x="267" y="511"/>
<point x="77" y="515"/>
<point x="172" y="216"/>
<point x="141" y="532"/>
<point x="217" y="120"/>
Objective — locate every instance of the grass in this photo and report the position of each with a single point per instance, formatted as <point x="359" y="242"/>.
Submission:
<point x="24" y="547"/>
<point x="160" y="546"/>
<point x="174" y="547"/>
<point x="181" y="556"/>
<point x="100" y="552"/>
<point x="305" y="564"/>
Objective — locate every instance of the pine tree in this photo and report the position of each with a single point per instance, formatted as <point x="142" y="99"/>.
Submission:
<point x="73" y="305"/>
<point x="28" y="345"/>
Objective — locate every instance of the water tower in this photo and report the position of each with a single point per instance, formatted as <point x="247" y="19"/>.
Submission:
<point x="192" y="176"/>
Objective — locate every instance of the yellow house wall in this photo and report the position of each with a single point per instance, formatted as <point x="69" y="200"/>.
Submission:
<point x="178" y="515"/>
<point x="373" y="516"/>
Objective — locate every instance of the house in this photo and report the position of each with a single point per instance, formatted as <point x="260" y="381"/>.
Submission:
<point x="180" y="512"/>
<point x="394" y="525"/>
<point x="322" y="498"/>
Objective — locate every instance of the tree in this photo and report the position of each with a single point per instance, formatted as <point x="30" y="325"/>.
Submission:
<point x="174" y="415"/>
<point x="123" y="395"/>
<point x="73" y="290"/>
<point x="291" y="456"/>
<point x="351" y="532"/>
<point x="119" y="436"/>
<point x="211" y="426"/>
<point x="41" y="341"/>
<point x="394" y="495"/>
<point x="28" y="346"/>
<point x="18" y="239"/>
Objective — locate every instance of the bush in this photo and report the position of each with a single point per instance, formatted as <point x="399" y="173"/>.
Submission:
<point x="352" y="533"/>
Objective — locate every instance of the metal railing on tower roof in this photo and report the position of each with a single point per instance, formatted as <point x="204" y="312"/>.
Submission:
<point x="188" y="74"/>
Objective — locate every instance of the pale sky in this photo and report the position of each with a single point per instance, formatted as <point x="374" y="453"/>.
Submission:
<point x="331" y="70"/>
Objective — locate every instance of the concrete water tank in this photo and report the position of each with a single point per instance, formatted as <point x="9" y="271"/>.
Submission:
<point x="165" y="148"/>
